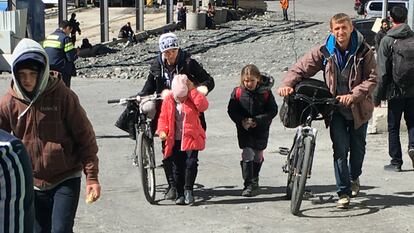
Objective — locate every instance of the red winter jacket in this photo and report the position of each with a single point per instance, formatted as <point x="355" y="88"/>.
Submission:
<point x="194" y="136"/>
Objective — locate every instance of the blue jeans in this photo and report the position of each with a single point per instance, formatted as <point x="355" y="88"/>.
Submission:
<point x="396" y="107"/>
<point x="345" y="138"/>
<point x="56" y="209"/>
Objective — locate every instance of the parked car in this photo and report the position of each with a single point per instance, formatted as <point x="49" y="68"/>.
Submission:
<point x="359" y="6"/>
<point x="373" y="9"/>
<point x="364" y="26"/>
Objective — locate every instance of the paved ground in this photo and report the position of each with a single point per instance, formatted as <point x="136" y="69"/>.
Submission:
<point x="386" y="200"/>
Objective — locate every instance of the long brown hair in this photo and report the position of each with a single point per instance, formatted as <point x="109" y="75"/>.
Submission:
<point x="250" y="70"/>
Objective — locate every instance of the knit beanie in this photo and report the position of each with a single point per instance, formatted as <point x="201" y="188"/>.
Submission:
<point x="168" y="41"/>
<point x="179" y="85"/>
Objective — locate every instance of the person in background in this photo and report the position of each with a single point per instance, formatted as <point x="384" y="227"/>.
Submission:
<point x="127" y="32"/>
<point x="86" y="44"/>
<point x="385" y="26"/>
<point x="74" y="24"/>
<point x="46" y="115"/>
<point x="61" y="52"/>
<point x="252" y="107"/>
<point x="284" y="4"/>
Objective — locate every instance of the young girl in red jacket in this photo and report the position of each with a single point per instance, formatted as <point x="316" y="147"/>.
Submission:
<point x="252" y="108"/>
<point x="180" y="127"/>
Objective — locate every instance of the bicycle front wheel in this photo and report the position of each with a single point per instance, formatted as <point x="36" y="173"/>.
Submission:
<point x="146" y="165"/>
<point x="302" y="168"/>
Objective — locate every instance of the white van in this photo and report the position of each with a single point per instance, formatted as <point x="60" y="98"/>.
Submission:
<point x="373" y="9"/>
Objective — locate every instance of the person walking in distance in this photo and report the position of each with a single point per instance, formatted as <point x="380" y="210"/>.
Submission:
<point x="180" y="128"/>
<point x="284" y="4"/>
<point x="61" y="52"/>
<point x="74" y="24"/>
<point x="252" y="108"/>
<point x="46" y="115"/>
<point x="385" y="26"/>
<point x="396" y="84"/>
<point x="349" y="69"/>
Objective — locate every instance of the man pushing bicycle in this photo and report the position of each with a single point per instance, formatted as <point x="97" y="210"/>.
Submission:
<point x="350" y="73"/>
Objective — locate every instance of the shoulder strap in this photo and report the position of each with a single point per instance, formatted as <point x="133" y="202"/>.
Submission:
<point x="238" y="93"/>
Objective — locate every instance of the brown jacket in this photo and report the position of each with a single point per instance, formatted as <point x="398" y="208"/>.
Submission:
<point x="55" y="131"/>
<point x="362" y="78"/>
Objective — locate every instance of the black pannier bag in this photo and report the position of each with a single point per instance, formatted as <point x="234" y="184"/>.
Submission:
<point x="294" y="112"/>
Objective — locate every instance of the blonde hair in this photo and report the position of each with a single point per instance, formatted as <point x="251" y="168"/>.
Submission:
<point x="250" y="70"/>
<point x="340" y="18"/>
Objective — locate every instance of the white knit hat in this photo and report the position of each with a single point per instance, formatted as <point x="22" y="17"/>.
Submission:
<point x="168" y="41"/>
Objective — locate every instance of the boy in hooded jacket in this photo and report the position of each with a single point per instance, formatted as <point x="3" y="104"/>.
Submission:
<point x="46" y="115"/>
<point x="252" y="107"/>
<point x="179" y="126"/>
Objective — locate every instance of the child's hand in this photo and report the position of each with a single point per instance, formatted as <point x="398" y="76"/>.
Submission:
<point x="252" y="122"/>
<point x="162" y="135"/>
<point x="202" y="89"/>
<point x="246" y="123"/>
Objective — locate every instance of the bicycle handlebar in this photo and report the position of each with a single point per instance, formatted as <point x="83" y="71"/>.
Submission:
<point x="314" y="100"/>
<point x="137" y="99"/>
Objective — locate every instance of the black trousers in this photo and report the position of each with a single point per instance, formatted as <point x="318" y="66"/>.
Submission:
<point x="185" y="166"/>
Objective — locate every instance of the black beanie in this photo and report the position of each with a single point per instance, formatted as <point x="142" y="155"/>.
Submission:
<point x="29" y="64"/>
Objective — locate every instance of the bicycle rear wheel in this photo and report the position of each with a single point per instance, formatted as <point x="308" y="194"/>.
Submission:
<point x="146" y="165"/>
<point x="302" y="168"/>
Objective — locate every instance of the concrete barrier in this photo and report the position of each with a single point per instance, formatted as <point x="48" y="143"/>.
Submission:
<point x="196" y="21"/>
<point x="221" y="16"/>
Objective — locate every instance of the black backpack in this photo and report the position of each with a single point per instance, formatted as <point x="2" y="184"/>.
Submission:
<point x="403" y="62"/>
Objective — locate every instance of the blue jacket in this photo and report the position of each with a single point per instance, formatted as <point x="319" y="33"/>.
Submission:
<point x="61" y="52"/>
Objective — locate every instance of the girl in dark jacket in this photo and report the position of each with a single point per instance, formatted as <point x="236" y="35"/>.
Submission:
<point x="252" y="107"/>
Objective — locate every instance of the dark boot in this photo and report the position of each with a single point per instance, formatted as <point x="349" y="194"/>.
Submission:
<point x="170" y="193"/>
<point x="247" y="172"/>
<point x="256" y="171"/>
<point x="190" y="177"/>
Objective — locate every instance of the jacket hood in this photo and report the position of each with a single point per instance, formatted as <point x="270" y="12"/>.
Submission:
<point x="28" y="49"/>
<point x="181" y="57"/>
<point x="267" y="83"/>
<point x="356" y="41"/>
<point x="401" y="31"/>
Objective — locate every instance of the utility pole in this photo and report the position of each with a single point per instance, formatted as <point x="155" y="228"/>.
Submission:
<point x="104" y="20"/>
<point x="384" y="8"/>
<point x="139" y="15"/>
<point x="411" y="14"/>
<point x="62" y="11"/>
<point x="170" y="11"/>
<point x="11" y="5"/>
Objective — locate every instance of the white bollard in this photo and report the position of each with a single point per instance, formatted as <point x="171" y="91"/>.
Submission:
<point x="196" y="21"/>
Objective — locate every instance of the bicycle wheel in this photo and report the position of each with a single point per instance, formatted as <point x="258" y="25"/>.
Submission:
<point x="289" y="185"/>
<point x="302" y="169"/>
<point x="146" y="166"/>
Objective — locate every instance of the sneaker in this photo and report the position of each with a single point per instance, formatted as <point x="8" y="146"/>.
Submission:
<point x="355" y="187"/>
<point x="180" y="200"/>
<point x="247" y="192"/>
<point x="411" y="154"/>
<point x="343" y="202"/>
<point x="170" y="194"/>
<point x="189" y="199"/>
<point x="392" y="167"/>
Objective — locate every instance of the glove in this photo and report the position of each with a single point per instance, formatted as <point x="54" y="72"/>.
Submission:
<point x="202" y="89"/>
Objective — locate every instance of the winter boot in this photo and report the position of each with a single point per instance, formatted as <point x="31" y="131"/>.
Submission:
<point x="256" y="171"/>
<point x="170" y="193"/>
<point x="247" y="172"/>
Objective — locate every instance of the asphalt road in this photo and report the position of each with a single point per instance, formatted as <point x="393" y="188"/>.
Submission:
<point x="385" y="203"/>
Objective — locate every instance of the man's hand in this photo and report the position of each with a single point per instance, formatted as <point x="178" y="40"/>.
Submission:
<point x="93" y="192"/>
<point x="162" y="135"/>
<point x="345" y="99"/>
<point x="285" y="91"/>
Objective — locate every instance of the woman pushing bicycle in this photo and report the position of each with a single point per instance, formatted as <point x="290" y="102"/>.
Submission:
<point x="171" y="60"/>
<point x="252" y="107"/>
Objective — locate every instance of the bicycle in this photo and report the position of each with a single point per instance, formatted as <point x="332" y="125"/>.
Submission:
<point x="299" y="158"/>
<point x="143" y="155"/>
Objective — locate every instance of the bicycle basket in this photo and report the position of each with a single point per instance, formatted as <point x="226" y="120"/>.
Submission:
<point x="294" y="112"/>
